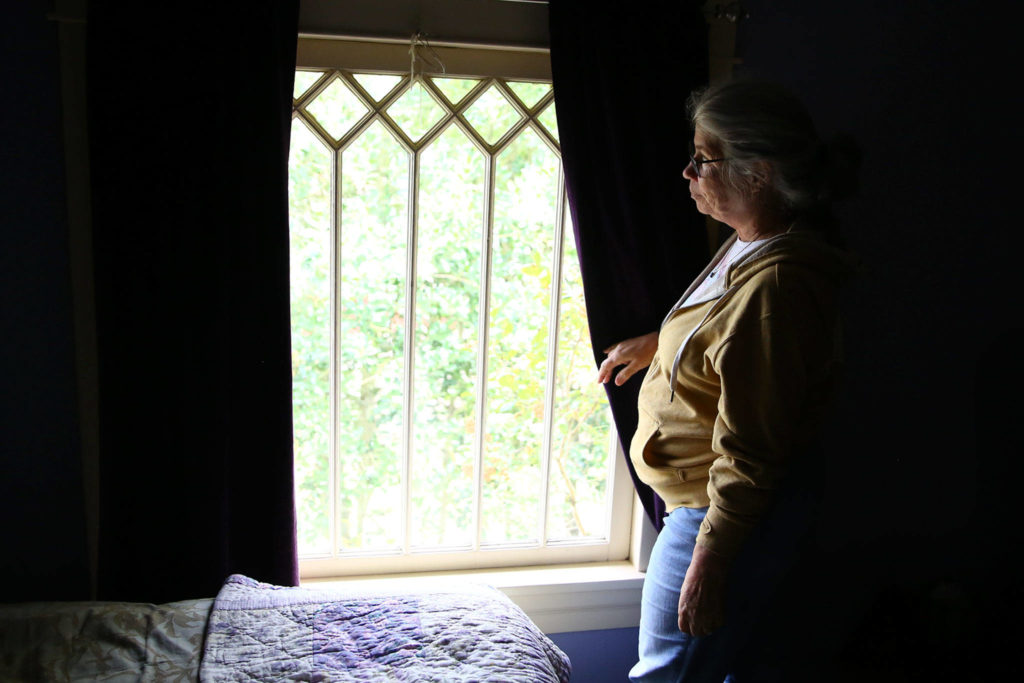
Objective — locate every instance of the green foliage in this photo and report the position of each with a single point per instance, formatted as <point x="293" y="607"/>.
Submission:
<point x="415" y="112"/>
<point x="310" y="231"/>
<point x="337" y="109"/>
<point x="371" y="329"/>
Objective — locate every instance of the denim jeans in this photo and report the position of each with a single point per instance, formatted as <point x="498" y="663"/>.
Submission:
<point x="751" y="646"/>
<point x="667" y="655"/>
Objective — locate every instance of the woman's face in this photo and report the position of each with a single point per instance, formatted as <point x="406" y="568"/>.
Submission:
<point x="713" y="197"/>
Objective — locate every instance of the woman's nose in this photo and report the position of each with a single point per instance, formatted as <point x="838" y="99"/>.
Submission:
<point x="690" y="173"/>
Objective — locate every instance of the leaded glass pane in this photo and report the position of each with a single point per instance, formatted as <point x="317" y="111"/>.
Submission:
<point x="526" y="184"/>
<point x="309" y="231"/>
<point x="303" y="81"/>
<point x="455" y="88"/>
<point x="451" y="200"/>
<point x="337" y="109"/>
<point x="371" y="340"/>
<point x="549" y="120"/>
<point x="416" y="112"/>
<point x="492" y="115"/>
<point x="578" y="483"/>
<point x="529" y="93"/>
<point x="377" y="85"/>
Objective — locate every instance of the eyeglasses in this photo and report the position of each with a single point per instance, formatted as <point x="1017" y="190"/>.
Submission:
<point x="697" y="163"/>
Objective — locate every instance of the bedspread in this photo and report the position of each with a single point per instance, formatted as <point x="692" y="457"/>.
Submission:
<point x="117" y="642"/>
<point x="468" y="632"/>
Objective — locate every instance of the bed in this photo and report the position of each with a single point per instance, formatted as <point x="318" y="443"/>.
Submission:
<point x="253" y="631"/>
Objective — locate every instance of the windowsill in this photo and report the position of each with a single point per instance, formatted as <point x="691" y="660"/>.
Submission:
<point x="562" y="598"/>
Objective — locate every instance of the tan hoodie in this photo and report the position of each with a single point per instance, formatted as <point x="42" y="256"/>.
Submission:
<point x="738" y="383"/>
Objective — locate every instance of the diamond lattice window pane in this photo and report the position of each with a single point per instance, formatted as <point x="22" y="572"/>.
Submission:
<point x="416" y="112"/>
<point x="455" y="88"/>
<point x="549" y="120"/>
<point x="452" y="191"/>
<point x="370" y="342"/>
<point x="525" y="203"/>
<point x="378" y="85"/>
<point x="303" y="81"/>
<point x="529" y="93"/>
<point x="492" y="115"/>
<point x="309" y="229"/>
<point x="337" y="109"/>
<point x="578" y="477"/>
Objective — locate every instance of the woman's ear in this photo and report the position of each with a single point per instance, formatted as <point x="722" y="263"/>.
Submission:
<point x="762" y="176"/>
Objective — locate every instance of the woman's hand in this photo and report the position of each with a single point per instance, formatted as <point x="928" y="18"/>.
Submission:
<point x="702" y="598"/>
<point x="636" y="354"/>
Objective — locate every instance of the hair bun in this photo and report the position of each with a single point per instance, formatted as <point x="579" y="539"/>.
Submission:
<point x="842" y="162"/>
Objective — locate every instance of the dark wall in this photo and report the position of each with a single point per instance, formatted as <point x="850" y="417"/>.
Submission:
<point x="42" y="527"/>
<point x="925" y="443"/>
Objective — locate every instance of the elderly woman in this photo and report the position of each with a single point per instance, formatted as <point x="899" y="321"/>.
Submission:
<point x="740" y="368"/>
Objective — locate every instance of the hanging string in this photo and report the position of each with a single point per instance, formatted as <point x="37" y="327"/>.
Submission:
<point x="412" y="57"/>
<point x="417" y="45"/>
<point x="420" y="48"/>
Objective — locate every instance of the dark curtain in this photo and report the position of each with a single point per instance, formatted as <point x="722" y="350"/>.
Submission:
<point x="189" y="113"/>
<point x="43" y="547"/>
<point x="621" y="79"/>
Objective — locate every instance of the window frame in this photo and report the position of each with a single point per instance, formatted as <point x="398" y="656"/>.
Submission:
<point x="362" y="55"/>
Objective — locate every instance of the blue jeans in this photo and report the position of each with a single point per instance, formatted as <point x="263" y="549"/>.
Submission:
<point x="667" y="655"/>
<point x="751" y="646"/>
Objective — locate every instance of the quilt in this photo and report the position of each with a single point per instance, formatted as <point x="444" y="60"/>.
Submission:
<point x="463" y="632"/>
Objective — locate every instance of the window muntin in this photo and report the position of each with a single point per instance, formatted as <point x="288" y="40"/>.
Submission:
<point x="474" y="435"/>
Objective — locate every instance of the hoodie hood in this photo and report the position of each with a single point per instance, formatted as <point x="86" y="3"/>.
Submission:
<point x="800" y="247"/>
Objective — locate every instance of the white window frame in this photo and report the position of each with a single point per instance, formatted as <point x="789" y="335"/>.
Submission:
<point x="386" y="56"/>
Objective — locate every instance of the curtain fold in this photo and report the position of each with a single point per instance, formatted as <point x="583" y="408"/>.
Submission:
<point x="621" y="79"/>
<point x="189" y="113"/>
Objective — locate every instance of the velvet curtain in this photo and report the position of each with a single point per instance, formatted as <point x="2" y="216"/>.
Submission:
<point x="621" y="79"/>
<point x="189" y="114"/>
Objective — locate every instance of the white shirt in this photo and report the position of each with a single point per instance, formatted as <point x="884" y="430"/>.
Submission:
<point x="714" y="284"/>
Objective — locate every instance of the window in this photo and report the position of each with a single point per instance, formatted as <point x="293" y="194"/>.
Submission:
<point x="445" y="409"/>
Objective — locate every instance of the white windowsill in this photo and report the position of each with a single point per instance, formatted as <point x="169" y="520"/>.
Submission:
<point x="558" y="598"/>
<point x="580" y="597"/>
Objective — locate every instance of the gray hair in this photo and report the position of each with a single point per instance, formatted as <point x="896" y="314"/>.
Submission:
<point x="769" y="139"/>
